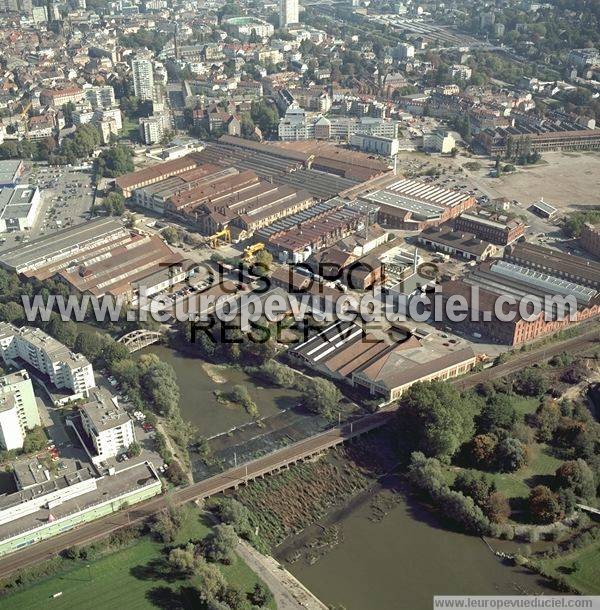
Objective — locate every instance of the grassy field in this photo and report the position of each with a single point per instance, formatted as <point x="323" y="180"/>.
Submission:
<point x="130" y="128"/>
<point x="524" y="405"/>
<point x="133" y="578"/>
<point x="586" y="577"/>
<point x="520" y="483"/>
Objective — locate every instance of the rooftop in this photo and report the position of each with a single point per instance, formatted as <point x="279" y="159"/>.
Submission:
<point x="50" y="248"/>
<point x="104" y="411"/>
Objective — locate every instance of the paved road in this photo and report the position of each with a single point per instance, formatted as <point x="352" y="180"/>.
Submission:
<point x="237" y="476"/>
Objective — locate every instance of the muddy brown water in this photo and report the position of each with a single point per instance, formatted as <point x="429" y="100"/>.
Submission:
<point x="199" y="404"/>
<point x="401" y="561"/>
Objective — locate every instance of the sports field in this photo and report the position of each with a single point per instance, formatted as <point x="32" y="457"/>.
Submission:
<point x="134" y="578"/>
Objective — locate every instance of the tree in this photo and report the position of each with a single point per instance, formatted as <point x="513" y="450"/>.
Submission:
<point x="531" y="382"/>
<point x="183" y="560"/>
<point x="89" y="344"/>
<point x="483" y="449"/>
<point x="266" y="117"/>
<point x="321" y="396"/>
<point x="464" y="511"/>
<point x="478" y="487"/>
<point x="567" y="500"/>
<point x="278" y="374"/>
<point x="437" y="417"/>
<point x="497" y="508"/>
<point x="234" y="513"/>
<point x="165" y="527"/>
<point x="211" y="581"/>
<point x="114" y="204"/>
<point x="547" y="418"/>
<point x="426" y="474"/>
<point x="117" y="160"/>
<point x="35" y="440"/>
<point x="171" y="235"/>
<point x="134" y="449"/>
<point x="260" y="596"/>
<point x="498" y="412"/>
<point x="176" y="474"/>
<point x="219" y="546"/>
<point x="159" y="384"/>
<point x="577" y="476"/>
<point x="263" y="260"/>
<point x="511" y="455"/>
<point x="12" y="312"/>
<point x="543" y="505"/>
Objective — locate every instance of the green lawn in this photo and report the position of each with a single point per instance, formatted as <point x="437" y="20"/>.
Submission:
<point x="586" y="577"/>
<point x="520" y="483"/>
<point x="130" y="128"/>
<point x="132" y="578"/>
<point x="524" y="405"/>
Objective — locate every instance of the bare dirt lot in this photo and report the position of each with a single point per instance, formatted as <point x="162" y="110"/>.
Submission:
<point x="568" y="181"/>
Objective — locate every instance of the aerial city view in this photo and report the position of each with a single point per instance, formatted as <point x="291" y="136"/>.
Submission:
<point x="299" y="304"/>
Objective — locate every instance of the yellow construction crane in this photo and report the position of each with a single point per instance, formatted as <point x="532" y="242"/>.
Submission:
<point x="224" y="234"/>
<point x="250" y="251"/>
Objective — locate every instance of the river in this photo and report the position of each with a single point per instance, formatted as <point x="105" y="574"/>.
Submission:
<point x="198" y="383"/>
<point x="401" y="561"/>
<point x="393" y="564"/>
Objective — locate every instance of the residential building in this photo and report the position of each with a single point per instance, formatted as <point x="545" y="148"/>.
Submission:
<point x="11" y="435"/>
<point x="56" y="98"/>
<point x="404" y="51"/>
<point x="18" y="409"/>
<point x="56" y="363"/>
<point x="380" y="145"/>
<point x="288" y="13"/>
<point x="439" y="140"/>
<point x="107" y="424"/>
<point x="153" y="128"/>
<point x="101" y="97"/>
<point x="143" y="78"/>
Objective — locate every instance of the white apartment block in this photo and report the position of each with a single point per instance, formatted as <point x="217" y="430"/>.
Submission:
<point x="380" y="145"/>
<point x="288" y="13"/>
<point x="153" y="128"/>
<point x="439" y="140"/>
<point x="143" y="79"/>
<point x="63" y="368"/>
<point x="298" y="124"/>
<point x="107" y="424"/>
<point x="18" y="409"/>
<point x="11" y="435"/>
<point x="101" y="98"/>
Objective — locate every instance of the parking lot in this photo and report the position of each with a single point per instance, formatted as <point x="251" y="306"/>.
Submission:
<point x="67" y="197"/>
